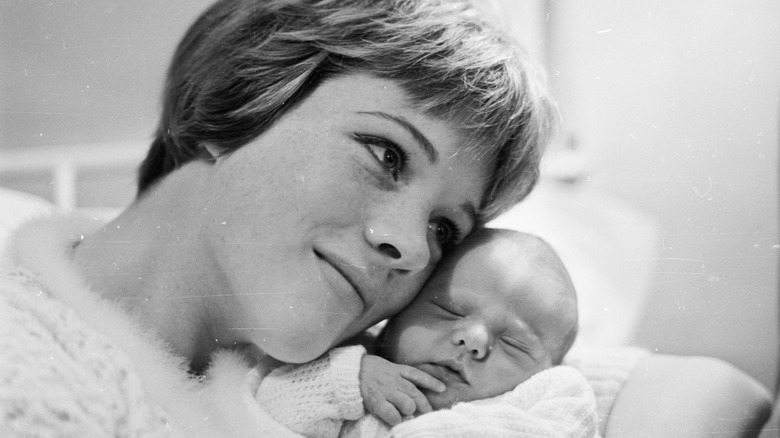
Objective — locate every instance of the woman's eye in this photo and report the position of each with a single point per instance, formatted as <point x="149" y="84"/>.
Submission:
<point x="445" y="232"/>
<point x="391" y="156"/>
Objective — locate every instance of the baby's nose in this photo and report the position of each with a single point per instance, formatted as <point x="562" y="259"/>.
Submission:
<point x="475" y="339"/>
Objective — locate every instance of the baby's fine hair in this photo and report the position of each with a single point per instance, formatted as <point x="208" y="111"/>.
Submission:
<point x="244" y="63"/>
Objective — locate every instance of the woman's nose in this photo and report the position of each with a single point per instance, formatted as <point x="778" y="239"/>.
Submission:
<point x="400" y="241"/>
<point x="398" y="246"/>
<point x="473" y="336"/>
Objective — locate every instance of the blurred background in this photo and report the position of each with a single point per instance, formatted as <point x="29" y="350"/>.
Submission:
<point x="661" y="191"/>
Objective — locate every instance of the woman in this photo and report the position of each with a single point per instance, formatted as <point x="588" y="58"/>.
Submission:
<point x="313" y="162"/>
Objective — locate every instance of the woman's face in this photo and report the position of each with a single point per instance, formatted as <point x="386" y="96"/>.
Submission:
<point x="334" y="217"/>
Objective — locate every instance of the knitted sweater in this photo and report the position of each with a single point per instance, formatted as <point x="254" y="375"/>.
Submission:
<point x="315" y="399"/>
<point x="75" y="365"/>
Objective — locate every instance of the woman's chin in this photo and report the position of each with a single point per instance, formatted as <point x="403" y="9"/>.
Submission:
<point x="296" y="349"/>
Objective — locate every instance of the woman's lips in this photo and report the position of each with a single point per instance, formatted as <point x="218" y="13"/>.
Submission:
<point x="340" y="282"/>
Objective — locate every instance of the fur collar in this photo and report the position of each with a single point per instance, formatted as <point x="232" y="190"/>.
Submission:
<point x="223" y="406"/>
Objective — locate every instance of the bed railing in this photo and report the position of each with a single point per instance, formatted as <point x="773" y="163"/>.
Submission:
<point x="63" y="173"/>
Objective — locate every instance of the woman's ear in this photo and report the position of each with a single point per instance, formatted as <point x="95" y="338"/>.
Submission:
<point x="211" y="152"/>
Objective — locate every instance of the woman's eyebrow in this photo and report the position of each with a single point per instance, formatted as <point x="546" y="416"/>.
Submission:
<point x="421" y="139"/>
<point x="427" y="147"/>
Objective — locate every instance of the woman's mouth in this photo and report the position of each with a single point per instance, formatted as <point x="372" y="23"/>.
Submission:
<point x="338" y="279"/>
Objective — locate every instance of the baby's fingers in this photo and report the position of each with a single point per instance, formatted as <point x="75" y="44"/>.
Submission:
<point x="419" y="402"/>
<point x="387" y="412"/>
<point x="408" y="399"/>
<point x="422" y="379"/>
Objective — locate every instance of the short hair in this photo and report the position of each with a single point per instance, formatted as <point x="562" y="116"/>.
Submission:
<point x="244" y="63"/>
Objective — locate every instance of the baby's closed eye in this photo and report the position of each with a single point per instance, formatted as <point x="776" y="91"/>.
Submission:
<point x="445" y="310"/>
<point x="515" y="346"/>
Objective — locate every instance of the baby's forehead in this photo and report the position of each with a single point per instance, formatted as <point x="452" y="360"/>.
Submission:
<point x="521" y="268"/>
<point x="502" y="239"/>
<point x="508" y="254"/>
<point x="518" y="245"/>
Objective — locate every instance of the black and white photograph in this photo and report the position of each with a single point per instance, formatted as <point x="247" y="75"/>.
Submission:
<point x="390" y="218"/>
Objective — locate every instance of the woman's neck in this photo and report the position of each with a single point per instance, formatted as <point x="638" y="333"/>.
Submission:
<point x="152" y="261"/>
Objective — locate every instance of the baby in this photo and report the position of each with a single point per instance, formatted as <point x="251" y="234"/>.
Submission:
<point x="490" y="327"/>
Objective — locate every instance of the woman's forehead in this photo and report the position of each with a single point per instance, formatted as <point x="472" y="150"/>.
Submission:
<point x="366" y="94"/>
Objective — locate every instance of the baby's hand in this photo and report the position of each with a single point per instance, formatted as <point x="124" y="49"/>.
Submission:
<point x="390" y="390"/>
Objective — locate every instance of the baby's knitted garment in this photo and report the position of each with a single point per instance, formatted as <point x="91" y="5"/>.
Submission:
<point x="556" y="402"/>
<point x="314" y="399"/>
<point x="306" y="398"/>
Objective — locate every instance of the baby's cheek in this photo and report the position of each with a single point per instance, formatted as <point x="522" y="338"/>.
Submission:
<point x="511" y="375"/>
<point x="404" y="344"/>
<point x="442" y="400"/>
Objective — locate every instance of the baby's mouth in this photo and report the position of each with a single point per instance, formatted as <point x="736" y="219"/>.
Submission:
<point x="449" y="372"/>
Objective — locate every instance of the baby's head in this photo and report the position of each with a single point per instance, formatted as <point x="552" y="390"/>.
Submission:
<point x="499" y="309"/>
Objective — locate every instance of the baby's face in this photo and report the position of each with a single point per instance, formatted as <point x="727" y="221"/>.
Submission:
<point x="485" y="322"/>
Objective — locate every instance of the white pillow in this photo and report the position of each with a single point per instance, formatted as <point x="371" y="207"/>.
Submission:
<point x="16" y="207"/>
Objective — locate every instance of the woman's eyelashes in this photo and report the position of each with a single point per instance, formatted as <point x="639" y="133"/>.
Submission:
<point x="445" y="232"/>
<point x="394" y="159"/>
<point x="387" y="153"/>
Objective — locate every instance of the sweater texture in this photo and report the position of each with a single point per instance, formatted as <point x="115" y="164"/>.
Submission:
<point x="75" y="365"/>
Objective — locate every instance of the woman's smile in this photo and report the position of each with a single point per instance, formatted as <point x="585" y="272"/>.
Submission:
<point x="341" y="281"/>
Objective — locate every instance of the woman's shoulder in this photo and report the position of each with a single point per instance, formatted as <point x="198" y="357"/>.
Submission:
<point x="26" y="305"/>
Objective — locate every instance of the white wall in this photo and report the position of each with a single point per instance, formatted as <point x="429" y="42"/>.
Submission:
<point x="676" y="105"/>
<point x="78" y="71"/>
